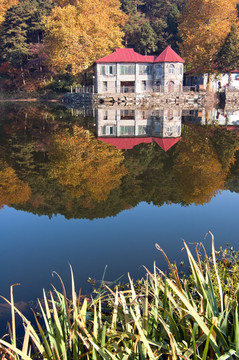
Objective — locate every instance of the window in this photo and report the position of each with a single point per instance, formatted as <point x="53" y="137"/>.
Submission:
<point x="170" y="114"/>
<point x="145" y="69"/>
<point x="105" y="86"/>
<point x="127" y="69"/>
<point x="108" y="70"/>
<point x="144" y="130"/>
<point x="108" y="130"/>
<point x="127" y="114"/>
<point x="169" y="131"/>
<point x="105" y="115"/>
<point x="158" y="70"/>
<point x="157" y="127"/>
<point x="171" y="69"/>
<point x="126" y="130"/>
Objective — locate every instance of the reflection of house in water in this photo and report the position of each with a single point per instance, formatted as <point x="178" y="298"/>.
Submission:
<point x="211" y="117"/>
<point x="125" y="128"/>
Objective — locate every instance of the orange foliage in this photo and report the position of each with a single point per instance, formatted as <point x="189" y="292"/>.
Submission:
<point x="79" y="32"/>
<point x="203" y="28"/>
<point x="4" y="6"/>
<point x="197" y="169"/>
<point x="12" y="189"/>
<point x="84" y="166"/>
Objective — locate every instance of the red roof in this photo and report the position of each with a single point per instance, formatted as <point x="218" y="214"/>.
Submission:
<point x="125" y="55"/>
<point x="130" y="56"/>
<point x="130" y="142"/>
<point x="169" y="55"/>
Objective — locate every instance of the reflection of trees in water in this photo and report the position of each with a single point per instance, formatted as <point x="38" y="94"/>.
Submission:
<point x="84" y="167"/>
<point x="197" y="169"/>
<point x="12" y="189"/>
<point x="75" y="175"/>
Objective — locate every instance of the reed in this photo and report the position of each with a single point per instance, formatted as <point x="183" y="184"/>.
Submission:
<point x="158" y="318"/>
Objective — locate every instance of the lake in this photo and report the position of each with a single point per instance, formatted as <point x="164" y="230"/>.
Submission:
<point x="96" y="187"/>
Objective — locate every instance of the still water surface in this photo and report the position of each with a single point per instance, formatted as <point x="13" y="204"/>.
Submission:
<point x="68" y="196"/>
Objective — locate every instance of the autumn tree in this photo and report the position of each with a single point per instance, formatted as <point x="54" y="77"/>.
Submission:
<point x="84" y="166"/>
<point x="226" y="143"/>
<point x="4" y="6"/>
<point x="203" y="28"/>
<point x="12" y="189"/>
<point x="197" y="169"/>
<point x="79" y="34"/>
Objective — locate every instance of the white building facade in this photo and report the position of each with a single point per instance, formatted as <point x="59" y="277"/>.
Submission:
<point x="124" y="122"/>
<point x="218" y="82"/>
<point x="126" y="71"/>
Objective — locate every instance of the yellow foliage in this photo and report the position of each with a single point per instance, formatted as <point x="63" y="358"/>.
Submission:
<point x="203" y="28"/>
<point x="79" y="34"/>
<point x="12" y="189"/>
<point x="85" y="166"/>
<point x="4" y="6"/>
<point x="197" y="169"/>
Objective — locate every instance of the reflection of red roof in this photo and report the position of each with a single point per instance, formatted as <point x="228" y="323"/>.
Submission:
<point x="169" y="55"/>
<point x="233" y="128"/>
<point x="130" y="56"/>
<point x="166" y="143"/>
<point x="130" y="142"/>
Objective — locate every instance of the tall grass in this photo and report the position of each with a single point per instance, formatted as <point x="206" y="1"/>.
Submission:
<point x="159" y="318"/>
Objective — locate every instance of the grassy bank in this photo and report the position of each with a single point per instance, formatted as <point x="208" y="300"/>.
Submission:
<point x="30" y="96"/>
<point x="158" y="317"/>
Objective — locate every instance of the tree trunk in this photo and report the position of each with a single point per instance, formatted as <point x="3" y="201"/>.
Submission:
<point x="22" y="73"/>
<point x="209" y="82"/>
<point x="229" y="80"/>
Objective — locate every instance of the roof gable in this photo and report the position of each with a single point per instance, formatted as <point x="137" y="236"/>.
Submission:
<point x="169" y="55"/>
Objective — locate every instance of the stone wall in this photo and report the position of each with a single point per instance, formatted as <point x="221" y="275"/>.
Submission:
<point x="181" y="98"/>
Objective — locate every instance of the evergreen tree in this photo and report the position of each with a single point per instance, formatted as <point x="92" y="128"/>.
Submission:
<point x="22" y="27"/>
<point x="148" y="39"/>
<point x="14" y="37"/>
<point x="228" y="56"/>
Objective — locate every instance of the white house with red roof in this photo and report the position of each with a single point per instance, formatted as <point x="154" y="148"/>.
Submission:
<point x="126" y="71"/>
<point x="125" y="128"/>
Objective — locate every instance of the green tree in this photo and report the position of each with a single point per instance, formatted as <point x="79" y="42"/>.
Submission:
<point x="148" y="39"/>
<point x="228" y="56"/>
<point x="23" y="26"/>
<point x="14" y="37"/>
